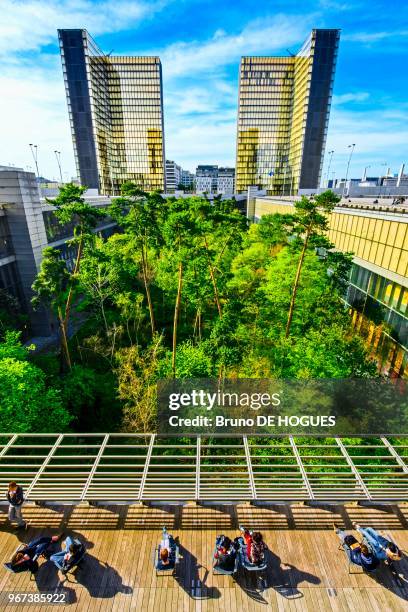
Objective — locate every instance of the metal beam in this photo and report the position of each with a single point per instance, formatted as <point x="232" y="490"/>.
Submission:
<point x="353" y="468"/>
<point x="301" y="468"/>
<point x="94" y="467"/>
<point x="394" y="453"/>
<point x="7" y="446"/>
<point x="250" y="470"/>
<point x="377" y="475"/>
<point x="198" y="468"/>
<point x="44" y="465"/>
<point x="146" y="466"/>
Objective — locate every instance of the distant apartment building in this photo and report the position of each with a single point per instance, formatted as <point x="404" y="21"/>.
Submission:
<point x="188" y="179"/>
<point x="283" y="113"/>
<point x="206" y="179"/>
<point x="215" y="180"/>
<point x="28" y="225"/>
<point x="173" y="176"/>
<point x="226" y="181"/>
<point x="377" y="295"/>
<point x="115" y="106"/>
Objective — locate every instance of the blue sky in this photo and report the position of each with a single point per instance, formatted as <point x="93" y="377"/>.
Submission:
<point x="200" y="43"/>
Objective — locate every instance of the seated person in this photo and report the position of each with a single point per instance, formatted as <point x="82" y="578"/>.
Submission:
<point x="225" y="553"/>
<point x="384" y="549"/>
<point x="26" y="558"/>
<point x="359" y="554"/>
<point x="67" y="558"/>
<point x="167" y="553"/>
<point x="255" y="546"/>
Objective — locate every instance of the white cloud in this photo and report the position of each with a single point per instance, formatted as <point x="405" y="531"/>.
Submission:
<point x="201" y="140"/>
<point x="200" y="96"/>
<point x="261" y="36"/>
<point x="33" y="106"/>
<point x="31" y="24"/>
<point x="33" y="109"/>
<point x="372" y="37"/>
<point x="379" y="136"/>
<point x="358" y="96"/>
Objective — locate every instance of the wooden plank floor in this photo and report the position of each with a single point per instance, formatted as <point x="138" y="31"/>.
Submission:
<point x="306" y="569"/>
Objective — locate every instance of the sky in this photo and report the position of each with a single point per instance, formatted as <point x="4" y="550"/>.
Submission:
<point x="200" y="43"/>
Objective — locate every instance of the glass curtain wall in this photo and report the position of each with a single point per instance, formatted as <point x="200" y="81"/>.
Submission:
<point x="283" y="110"/>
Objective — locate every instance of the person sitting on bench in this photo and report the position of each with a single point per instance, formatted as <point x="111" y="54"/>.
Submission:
<point x="69" y="557"/>
<point x="359" y="554"/>
<point x="225" y="553"/>
<point x="255" y="546"/>
<point x="167" y="552"/>
<point x="26" y="558"/>
<point x="384" y="549"/>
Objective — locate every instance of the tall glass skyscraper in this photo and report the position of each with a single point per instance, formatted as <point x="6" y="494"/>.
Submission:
<point x="283" y="113"/>
<point x="115" y="106"/>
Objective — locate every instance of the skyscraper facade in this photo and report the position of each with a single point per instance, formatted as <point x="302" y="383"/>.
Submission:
<point x="115" y="105"/>
<point x="283" y="113"/>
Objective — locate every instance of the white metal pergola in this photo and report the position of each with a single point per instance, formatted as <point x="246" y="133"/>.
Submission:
<point x="129" y="468"/>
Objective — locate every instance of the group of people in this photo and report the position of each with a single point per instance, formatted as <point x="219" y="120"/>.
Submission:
<point x="250" y="542"/>
<point x="26" y="558"/>
<point x="369" y="553"/>
<point x="43" y="547"/>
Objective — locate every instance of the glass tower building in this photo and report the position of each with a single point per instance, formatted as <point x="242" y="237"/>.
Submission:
<point x="115" y="106"/>
<point x="283" y="113"/>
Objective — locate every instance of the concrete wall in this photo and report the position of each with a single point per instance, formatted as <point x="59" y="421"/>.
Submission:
<point x="20" y="196"/>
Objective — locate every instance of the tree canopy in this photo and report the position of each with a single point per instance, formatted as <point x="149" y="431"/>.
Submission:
<point x="186" y="288"/>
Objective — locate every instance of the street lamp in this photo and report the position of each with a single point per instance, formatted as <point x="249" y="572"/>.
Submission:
<point x="350" y="146"/>
<point x="58" y="156"/>
<point x="34" y="153"/>
<point x="328" y="167"/>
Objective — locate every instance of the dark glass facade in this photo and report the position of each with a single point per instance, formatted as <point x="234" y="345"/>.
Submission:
<point x="324" y="48"/>
<point x="10" y="280"/>
<point x="5" y="238"/>
<point x="74" y="67"/>
<point x="283" y="112"/>
<point x="116" y="111"/>
<point x="55" y="231"/>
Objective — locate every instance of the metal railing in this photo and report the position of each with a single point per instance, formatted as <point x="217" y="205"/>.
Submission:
<point x="127" y="468"/>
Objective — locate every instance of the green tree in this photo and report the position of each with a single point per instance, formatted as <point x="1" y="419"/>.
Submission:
<point x="310" y="223"/>
<point x="24" y="393"/>
<point x="11" y="316"/>
<point x="50" y="288"/>
<point x="138" y="214"/>
<point x="137" y="372"/>
<point x="70" y="209"/>
<point x="179" y="230"/>
<point x="192" y="361"/>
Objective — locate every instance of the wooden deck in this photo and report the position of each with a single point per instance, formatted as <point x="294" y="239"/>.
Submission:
<point x="306" y="569"/>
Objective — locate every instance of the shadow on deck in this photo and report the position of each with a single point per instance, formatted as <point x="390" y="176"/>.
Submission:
<point x="304" y="561"/>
